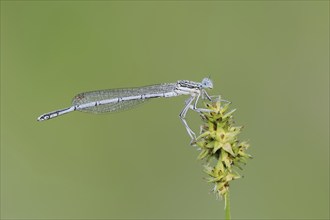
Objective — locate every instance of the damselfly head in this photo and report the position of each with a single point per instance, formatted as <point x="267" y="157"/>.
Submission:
<point x="207" y="83"/>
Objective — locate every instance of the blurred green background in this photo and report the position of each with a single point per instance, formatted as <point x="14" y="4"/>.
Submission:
<point x="271" y="59"/>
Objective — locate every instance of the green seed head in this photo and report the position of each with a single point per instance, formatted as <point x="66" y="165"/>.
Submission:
<point x="219" y="145"/>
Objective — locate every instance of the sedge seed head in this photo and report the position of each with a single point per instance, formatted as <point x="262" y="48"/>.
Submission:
<point x="219" y="145"/>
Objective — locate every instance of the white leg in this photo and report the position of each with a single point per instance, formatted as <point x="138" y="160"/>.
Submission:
<point x="218" y="98"/>
<point x="206" y="95"/>
<point x="199" y="110"/>
<point x="183" y="115"/>
<point x="196" y="101"/>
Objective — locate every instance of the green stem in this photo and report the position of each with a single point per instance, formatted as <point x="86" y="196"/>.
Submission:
<point x="227" y="205"/>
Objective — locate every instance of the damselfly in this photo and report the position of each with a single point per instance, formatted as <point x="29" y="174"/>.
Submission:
<point x="114" y="100"/>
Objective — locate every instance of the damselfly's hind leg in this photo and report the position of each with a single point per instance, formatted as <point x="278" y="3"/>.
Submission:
<point x="183" y="115"/>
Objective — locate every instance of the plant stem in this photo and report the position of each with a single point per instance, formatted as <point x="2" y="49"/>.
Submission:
<point x="227" y="206"/>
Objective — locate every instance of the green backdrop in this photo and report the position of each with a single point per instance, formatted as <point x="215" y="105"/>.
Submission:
<point x="270" y="58"/>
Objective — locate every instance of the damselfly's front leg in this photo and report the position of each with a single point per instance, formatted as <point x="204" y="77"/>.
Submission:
<point x="199" y="110"/>
<point x="213" y="97"/>
<point x="204" y="94"/>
